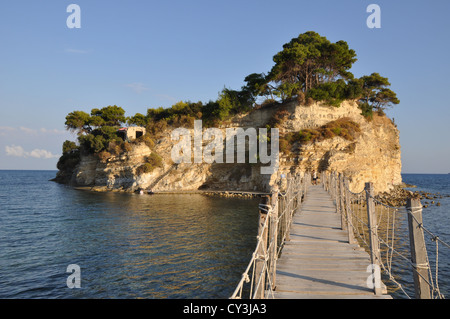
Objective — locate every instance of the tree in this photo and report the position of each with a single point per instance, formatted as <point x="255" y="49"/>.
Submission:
<point x="227" y="101"/>
<point x="111" y="115"/>
<point x="78" y="121"/>
<point x="138" y="119"/>
<point x="69" y="146"/>
<point x="257" y="85"/>
<point x="375" y="92"/>
<point x="310" y="60"/>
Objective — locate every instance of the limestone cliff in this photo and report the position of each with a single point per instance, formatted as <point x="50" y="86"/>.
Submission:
<point x="373" y="155"/>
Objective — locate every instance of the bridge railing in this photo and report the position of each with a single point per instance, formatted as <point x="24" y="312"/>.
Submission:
<point x="275" y="217"/>
<point x="376" y="226"/>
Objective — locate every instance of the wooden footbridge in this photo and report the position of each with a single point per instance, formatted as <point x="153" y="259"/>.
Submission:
<point x="318" y="261"/>
<point x="323" y="241"/>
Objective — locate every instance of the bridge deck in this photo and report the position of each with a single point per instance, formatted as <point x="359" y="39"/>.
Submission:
<point x="318" y="261"/>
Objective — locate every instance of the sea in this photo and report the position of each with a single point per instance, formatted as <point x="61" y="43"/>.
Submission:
<point x="57" y="242"/>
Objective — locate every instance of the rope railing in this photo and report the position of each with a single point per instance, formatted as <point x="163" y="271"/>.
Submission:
<point x="376" y="227"/>
<point x="275" y="217"/>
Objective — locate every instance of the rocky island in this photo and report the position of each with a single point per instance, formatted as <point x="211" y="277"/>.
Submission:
<point x="327" y="120"/>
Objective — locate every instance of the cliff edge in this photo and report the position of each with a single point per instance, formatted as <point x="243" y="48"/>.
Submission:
<point x="312" y="137"/>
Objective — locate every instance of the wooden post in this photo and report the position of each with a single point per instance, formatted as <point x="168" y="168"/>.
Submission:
<point x="342" y="202"/>
<point x="418" y="249"/>
<point x="335" y="191"/>
<point x="261" y="252"/>
<point x="287" y="205"/>
<point x="374" y="245"/>
<point x="273" y="238"/>
<point x="351" y="238"/>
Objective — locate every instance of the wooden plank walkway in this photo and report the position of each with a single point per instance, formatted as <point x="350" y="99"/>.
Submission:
<point x="318" y="262"/>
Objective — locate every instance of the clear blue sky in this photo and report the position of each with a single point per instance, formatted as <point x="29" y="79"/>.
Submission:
<point x="138" y="54"/>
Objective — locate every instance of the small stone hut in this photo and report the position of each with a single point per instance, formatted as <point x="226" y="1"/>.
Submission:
<point x="131" y="133"/>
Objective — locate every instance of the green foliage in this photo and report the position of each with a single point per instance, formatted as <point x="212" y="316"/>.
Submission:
<point x="375" y="92"/>
<point x="146" y="139"/>
<point x="308" y="68"/>
<point x="343" y="127"/>
<point x="78" y="121"/>
<point x="153" y="161"/>
<point x="155" y="128"/>
<point x="69" y="159"/>
<point x="310" y="60"/>
<point x="180" y="114"/>
<point x="92" y="143"/>
<point x="334" y="93"/>
<point x="256" y="85"/>
<point x="138" y="119"/>
<point x="311" y="68"/>
<point x="226" y="102"/>
<point x="366" y="110"/>
<point x="97" y="130"/>
<point x="69" y="146"/>
<point x="111" y="115"/>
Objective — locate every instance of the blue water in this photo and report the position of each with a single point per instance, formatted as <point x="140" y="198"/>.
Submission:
<point x="436" y="219"/>
<point x="160" y="246"/>
<point x="126" y="245"/>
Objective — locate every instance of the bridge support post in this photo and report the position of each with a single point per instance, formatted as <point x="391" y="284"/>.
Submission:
<point x="351" y="238"/>
<point x="273" y="256"/>
<point x="342" y="207"/>
<point x="286" y="215"/>
<point x="373" y="235"/>
<point x="418" y="249"/>
<point x="260" y="262"/>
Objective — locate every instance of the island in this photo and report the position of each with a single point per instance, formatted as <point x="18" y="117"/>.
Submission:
<point x="325" y="118"/>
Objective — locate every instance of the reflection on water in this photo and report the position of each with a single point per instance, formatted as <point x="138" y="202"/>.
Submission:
<point x="160" y="246"/>
<point x="169" y="246"/>
<point x="127" y="245"/>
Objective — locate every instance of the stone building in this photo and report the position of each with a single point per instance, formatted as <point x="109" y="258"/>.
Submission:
<point x="131" y="133"/>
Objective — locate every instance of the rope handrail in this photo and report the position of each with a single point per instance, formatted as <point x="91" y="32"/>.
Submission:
<point x="352" y="207"/>
<point x="259" y="275"/>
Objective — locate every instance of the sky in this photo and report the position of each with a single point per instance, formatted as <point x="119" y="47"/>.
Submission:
<point x="139" y="54"/>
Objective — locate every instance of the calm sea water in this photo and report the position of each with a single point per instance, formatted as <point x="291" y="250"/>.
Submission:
<point x="437" y="220"/>
<point x="161" y="246"/>
<point x="127" y="245"/>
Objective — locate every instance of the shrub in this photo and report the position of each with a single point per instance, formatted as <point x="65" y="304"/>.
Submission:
<point x="68" y="161"/>
<point x="151" y="162"/>
<point x="366" y="110"/>
<point x="69" y="146"/>
<point x="114" y="148"/>
<point x="146" y="139"/>
<point x="155" y="160"/>
<point x="144" y="168"/>
<point x="284" y="145"/>
<point x="277" y="118"/>
<point x="343" y="127"/>
<point x="156" y="128"/>
<point x="103" y="156"/>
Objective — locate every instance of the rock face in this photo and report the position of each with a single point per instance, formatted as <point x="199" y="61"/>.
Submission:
<point x="374" y="155"/>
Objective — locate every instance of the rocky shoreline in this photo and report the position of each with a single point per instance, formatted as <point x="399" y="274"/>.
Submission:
<point x="218" y="193"/>
<point x="398" y="196"/>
